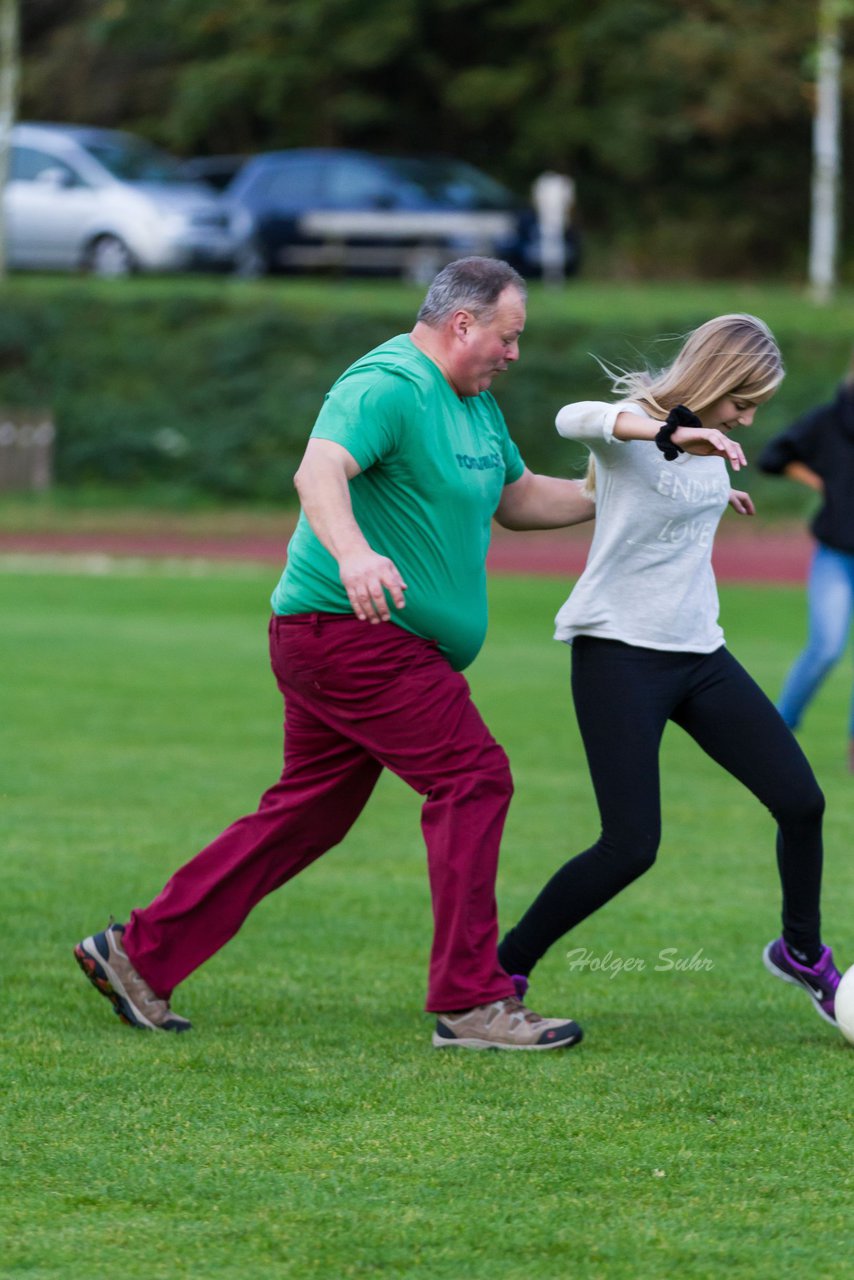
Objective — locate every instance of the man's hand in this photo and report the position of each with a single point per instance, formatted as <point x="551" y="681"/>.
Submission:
<point x="708" y="441"/>
<point x="366" y="577"/>
<point x="323" y="485"/>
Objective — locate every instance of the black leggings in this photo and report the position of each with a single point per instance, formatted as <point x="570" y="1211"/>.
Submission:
<point x="624" y="696"/>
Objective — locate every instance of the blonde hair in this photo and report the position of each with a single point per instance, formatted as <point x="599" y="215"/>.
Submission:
<point x="732" y="355"/>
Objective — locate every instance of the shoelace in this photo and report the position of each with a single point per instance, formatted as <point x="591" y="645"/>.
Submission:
<point x="834" y="977"/>
<point x="519" y="1012"/>
<point x="140" y="989"/>
<point x="143" y="994"/>
<point x="827" y="973"/>
<point x="154" y="1002"/>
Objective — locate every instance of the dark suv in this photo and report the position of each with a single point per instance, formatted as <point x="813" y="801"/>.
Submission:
<point x="357" y="213"/>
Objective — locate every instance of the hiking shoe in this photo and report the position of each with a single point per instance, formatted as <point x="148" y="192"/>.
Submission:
<point x="505" y="1024"/>
<point x="819" y="982"/>
<point x="105" y="964"/>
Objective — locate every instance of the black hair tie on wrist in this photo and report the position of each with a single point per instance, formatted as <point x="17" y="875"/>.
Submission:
<point x="676" y="418"/>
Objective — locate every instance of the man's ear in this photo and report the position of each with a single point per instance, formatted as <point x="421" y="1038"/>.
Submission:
<point x="461" y="322"/>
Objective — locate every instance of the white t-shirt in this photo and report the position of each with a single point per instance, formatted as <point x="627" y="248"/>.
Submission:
<point x="648" y="579"/>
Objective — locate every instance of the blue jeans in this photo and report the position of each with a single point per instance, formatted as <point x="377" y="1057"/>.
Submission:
<point x="830" y="597"/>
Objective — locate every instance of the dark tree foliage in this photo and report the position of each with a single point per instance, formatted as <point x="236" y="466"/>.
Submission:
<point x="686" y="126"/>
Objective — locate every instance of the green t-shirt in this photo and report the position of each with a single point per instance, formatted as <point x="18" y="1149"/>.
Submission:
<point x="434" y="465"/>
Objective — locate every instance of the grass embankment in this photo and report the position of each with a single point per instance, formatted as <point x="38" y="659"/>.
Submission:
<point x="187" y="391"/>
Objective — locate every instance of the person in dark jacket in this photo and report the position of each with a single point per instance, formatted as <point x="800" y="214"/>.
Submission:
<point x="818" y="450"/>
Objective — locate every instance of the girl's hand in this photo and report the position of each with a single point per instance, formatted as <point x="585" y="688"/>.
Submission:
<point x="708" y="441"/>
<point x="742" y="502"/>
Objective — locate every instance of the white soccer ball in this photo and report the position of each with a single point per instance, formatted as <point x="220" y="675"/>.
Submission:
<point x="844" y="1004"/>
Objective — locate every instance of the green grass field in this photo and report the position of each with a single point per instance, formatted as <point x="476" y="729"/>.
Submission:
<point x="305" y="1128"/>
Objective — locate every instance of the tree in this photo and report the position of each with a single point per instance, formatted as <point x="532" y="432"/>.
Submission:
<point x="9" y="56"/>
<point x="685" y="127"/>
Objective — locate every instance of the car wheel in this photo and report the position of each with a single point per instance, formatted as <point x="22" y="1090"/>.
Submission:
<point x="110" y="257"/>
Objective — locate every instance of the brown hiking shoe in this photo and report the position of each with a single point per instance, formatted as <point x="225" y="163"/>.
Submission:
<point x="505" y="1024"/>
<point x="103" y="960"/>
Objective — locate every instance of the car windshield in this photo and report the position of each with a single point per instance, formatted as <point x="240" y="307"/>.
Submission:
<point x="135" y="161"/>
<point x="454" y="183"/>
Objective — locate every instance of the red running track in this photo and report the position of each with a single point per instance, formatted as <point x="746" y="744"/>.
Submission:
<point x="760" y="555"/>
<point x="757" y="555"/>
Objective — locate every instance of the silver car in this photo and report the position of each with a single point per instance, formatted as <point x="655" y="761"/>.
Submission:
<point x="110" y="203"/>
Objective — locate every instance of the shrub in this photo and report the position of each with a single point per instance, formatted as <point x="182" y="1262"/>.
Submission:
<point x="210" y="387"/>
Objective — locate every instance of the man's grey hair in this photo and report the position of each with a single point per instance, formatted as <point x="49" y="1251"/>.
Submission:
<point x="473" y="284"/>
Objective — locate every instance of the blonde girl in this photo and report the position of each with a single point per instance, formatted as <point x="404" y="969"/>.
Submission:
<point x="647" y="647"/>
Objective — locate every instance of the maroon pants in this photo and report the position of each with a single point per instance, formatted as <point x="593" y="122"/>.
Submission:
<point x="357" y="698"/>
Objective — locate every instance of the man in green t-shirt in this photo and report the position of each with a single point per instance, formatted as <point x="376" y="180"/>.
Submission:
<point x="381" y="605"/>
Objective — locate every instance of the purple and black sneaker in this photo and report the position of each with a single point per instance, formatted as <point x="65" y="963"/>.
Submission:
<point x="819" y="981"/>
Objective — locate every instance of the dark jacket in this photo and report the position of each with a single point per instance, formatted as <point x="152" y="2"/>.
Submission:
<point x="823" y="439"/>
